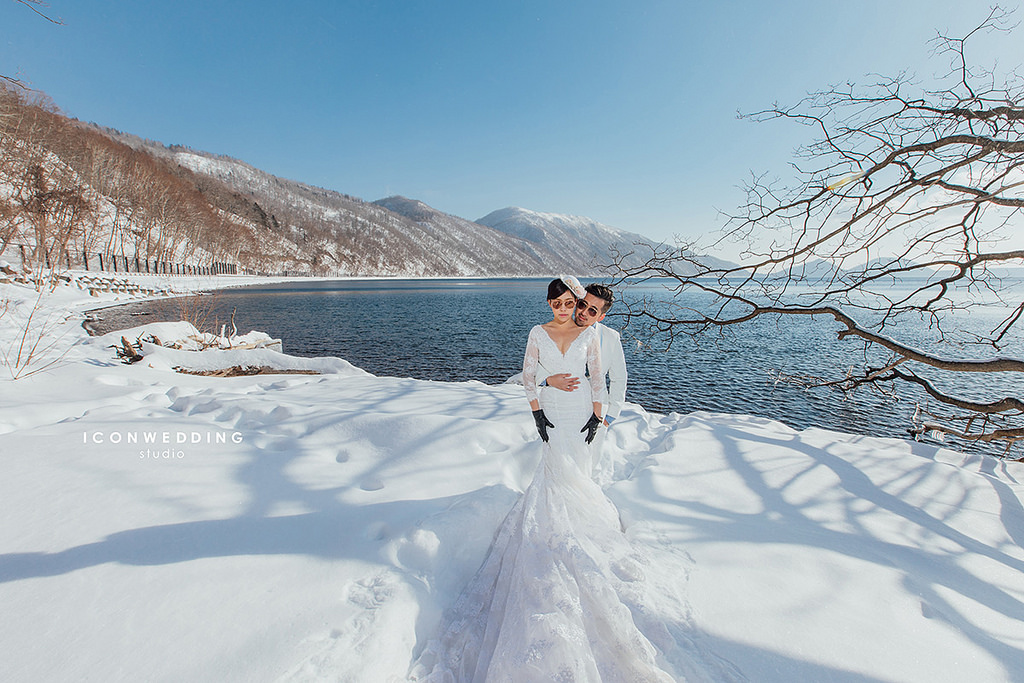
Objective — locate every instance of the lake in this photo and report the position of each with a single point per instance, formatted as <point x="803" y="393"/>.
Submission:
<point x="476" y="329"/>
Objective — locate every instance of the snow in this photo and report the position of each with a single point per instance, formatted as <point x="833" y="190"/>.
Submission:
<point x="164" y="526"/>
<point x="529" y="224"/>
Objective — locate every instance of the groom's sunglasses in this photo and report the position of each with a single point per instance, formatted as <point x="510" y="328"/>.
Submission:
<point x="582" y="305"/>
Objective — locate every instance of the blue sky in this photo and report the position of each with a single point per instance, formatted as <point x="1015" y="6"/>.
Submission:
<point x="621" y="111"/>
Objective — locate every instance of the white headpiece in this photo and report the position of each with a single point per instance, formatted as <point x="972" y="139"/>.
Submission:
<point x="574" y="286"/>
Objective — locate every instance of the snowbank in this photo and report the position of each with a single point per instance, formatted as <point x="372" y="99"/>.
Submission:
<point x="164" y="526"/>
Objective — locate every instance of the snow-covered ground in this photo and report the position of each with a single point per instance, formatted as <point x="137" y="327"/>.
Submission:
<point x="161" y="526"/>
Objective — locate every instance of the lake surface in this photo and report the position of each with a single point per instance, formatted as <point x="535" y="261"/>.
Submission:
<point x="476" y="329"/>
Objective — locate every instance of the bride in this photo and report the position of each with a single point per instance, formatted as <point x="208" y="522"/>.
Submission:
<point x="544" y="605"/>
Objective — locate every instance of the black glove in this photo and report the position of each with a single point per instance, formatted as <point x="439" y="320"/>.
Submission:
<point x="591" y="427"/>
<point x="542" y="424"/>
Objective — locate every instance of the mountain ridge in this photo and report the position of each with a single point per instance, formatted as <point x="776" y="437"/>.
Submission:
<point x="119" y="194"/>
<point x="459" y="246"/>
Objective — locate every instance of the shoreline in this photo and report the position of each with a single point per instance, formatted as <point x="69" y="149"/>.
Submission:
<point x="179" y="286"/>
<point x="260" y="280"/>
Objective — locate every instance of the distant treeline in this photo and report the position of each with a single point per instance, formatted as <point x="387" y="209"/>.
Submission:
<point x="72" y="260"/>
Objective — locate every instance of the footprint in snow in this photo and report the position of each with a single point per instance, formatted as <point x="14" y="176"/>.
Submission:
<point x="372" y="591"/>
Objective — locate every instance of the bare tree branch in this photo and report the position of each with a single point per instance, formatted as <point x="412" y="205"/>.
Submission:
<point x="895" y="220"/>
<point x="34" y="5"/>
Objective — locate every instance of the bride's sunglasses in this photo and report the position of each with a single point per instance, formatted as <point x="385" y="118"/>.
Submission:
<point x="557" y="304"/>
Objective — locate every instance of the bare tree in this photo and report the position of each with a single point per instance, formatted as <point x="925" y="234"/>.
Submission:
<point x="45" y="205"/>
<point x="896" y="226"/>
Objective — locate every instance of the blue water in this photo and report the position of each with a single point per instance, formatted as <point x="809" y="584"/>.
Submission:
<point x="457" y="330"/>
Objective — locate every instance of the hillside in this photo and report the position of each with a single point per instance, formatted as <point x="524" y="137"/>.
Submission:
<point x="69" y="189"/>
<point x="328" y="232"/>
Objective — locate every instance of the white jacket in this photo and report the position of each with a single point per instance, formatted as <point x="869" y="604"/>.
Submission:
<point x="613" y="365"/>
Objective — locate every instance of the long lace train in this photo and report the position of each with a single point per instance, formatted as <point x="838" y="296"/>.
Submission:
<point x="545" y="604"/>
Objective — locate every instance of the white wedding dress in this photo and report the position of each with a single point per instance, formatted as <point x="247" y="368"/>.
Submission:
<point x="544" y="605"/>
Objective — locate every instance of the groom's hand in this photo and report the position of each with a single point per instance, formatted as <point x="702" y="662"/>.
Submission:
<point x="591" y="428"/>
<point x="563" y="381"/>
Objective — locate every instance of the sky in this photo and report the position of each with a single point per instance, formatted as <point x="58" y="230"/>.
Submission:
<point x="624" y="112"/>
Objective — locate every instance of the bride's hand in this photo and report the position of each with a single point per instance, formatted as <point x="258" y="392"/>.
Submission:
<point x="542" y="424"/>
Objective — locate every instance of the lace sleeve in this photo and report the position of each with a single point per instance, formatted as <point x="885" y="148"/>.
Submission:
<point x="594" y="367"/>
<point x="530" y="362"/>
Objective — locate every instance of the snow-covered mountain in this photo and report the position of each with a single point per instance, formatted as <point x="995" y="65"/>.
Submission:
<point x="402" y="236"/>
<point x="581" y="238"/>
<point x="348" y="236"/>
<point x="477" y="248"/>
<point x="341" y="234"/>
<point x="543" y="249"/>
<point x="575" y="237"/>
<point x="279" y="225"/>
<point x="140" y="200"/>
